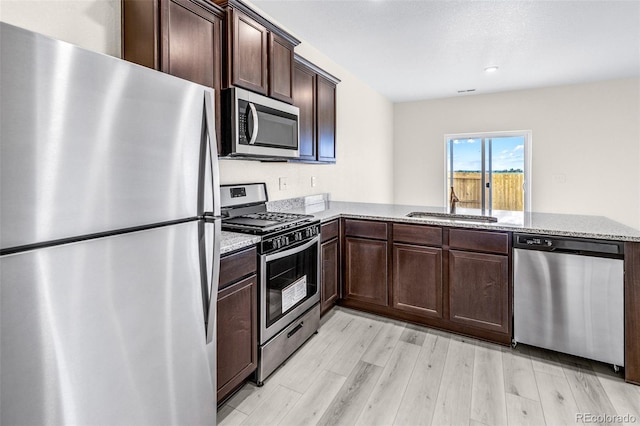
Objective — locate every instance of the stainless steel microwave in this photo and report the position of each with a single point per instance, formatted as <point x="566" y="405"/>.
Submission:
<point x="257" y="126"/>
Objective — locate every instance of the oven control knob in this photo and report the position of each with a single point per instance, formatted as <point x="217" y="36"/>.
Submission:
<point x="276" y="243"/>
<point x="285" y="241"/>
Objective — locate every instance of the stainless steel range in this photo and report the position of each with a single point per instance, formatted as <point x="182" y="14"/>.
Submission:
<point x="289" y="269"/>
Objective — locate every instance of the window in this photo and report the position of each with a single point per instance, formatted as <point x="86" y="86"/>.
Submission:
<point x="489" y="171"/>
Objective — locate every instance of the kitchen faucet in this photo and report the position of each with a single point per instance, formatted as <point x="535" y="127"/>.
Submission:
<point x="453" y="199"/>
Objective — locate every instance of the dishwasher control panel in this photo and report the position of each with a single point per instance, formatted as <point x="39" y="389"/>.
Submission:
<point x="568" y="244"/>
<point x="536" y="241"/>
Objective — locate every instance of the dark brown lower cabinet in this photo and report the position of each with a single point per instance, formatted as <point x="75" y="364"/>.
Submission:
<point x="479" y="290"/>
<point x="330" y="255"/>
<point x="330" y="270"/>
<point x="237" y="322"/>
<point x="417" y="280"/>
<point x="237" y="335"/>
<point x="366" y="270"/>
<point x="632" y="312"/>
<point x="447" y="278"/>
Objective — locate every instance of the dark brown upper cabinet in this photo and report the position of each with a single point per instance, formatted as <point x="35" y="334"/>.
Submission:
<point x="247" y="63"/>
<point x="314" y="92"/>
<point x="258" y="54"/>
<point x="326" y="120"/>
<point x="280" y="68"/>
<point x="304" y="97"/>
<point x="178" y="37"/>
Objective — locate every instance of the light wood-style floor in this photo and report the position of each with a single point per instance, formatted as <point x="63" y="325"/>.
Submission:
<point x="362" y="369"/>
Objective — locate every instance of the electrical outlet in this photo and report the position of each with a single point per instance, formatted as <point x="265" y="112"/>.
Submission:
<point x="559" y="178"/>
<point x="314" y="181"/>
<point x="283" y="183"/>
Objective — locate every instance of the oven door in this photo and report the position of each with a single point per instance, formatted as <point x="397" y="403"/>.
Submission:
<point x="289" y="286"/>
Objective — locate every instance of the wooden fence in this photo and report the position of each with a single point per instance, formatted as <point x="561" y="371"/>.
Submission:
<point x="507" y="190"/>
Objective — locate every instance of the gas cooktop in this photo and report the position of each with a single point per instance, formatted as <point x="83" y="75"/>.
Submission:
<point x="264" y="222"/>
<point x="244" y="208"/>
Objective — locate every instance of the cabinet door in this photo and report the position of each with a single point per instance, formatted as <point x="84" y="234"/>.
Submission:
<point x="366" y="270"/>
<point x="237" y="338"/>
<point x="304" y="97"/>
<point x="280" y="68"/>
<point x="417" y="280"/>
<point x="330" y="255"/>
<point x="479" y="290"/>
<point x="188" y="42"/>
<point x="249" y="53"/>
<point x="326" y="126"/>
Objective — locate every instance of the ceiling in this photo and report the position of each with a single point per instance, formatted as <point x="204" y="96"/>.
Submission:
<point x="409" y="50"/>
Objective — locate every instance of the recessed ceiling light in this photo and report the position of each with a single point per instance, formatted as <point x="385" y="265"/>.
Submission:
<point x="491" y="69"/>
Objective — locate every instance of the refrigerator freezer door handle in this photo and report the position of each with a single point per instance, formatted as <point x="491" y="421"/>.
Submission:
<point x="210" y="121"/>
<point x="213" y="254"/>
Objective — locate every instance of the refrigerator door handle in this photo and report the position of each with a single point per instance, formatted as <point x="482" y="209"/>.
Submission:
<point x="212" y="254"/>
<point x="210" y="122"/>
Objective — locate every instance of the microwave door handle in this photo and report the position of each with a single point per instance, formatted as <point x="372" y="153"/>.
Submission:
<point x="254" y="132"/>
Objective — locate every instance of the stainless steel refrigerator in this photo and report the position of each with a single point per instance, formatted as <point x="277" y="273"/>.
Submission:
<point x="109" y="239"/>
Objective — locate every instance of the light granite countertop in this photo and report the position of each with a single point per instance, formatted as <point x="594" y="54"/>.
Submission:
<point x="232" y="241"/>
<point x="569" y="225"/>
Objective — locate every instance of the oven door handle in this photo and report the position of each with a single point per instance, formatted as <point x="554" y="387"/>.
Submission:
<point x="297" y="249"/>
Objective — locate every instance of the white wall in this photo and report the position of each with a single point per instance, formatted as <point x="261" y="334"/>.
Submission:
<point x="92" y="24"/>
<point x="364" y="117"/>
<point x="588" y="132"/>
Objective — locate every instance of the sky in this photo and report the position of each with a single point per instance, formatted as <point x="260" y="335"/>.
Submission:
<point x="507" y="153"/>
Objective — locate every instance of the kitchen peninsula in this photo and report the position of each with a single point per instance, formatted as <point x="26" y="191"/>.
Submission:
<point x="417" y="269"/>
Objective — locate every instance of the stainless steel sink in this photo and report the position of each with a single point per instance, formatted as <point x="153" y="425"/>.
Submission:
<point x="453" y="217"/>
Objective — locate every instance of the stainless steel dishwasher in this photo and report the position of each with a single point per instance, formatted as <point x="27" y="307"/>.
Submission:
<point x="569" y="296"/>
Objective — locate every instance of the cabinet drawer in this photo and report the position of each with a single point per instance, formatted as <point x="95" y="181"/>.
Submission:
<point x="365" y="229"/>
<point x="426" y="235"/>
<point x="493" y="242"/>
<point x="329" y="230"/>
<point x="237" y="265"/>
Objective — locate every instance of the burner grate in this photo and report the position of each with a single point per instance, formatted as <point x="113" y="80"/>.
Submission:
<point x="276" y="216"/>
